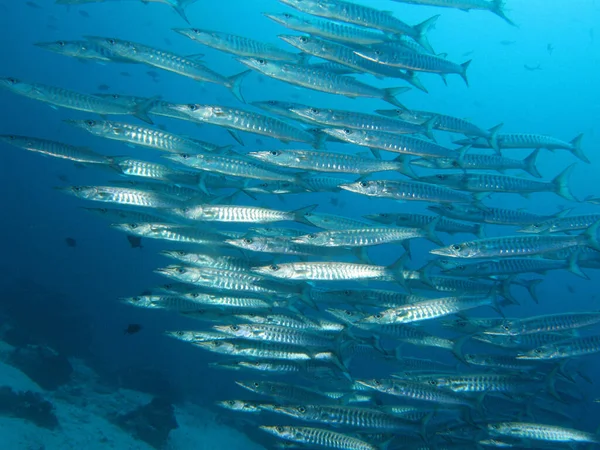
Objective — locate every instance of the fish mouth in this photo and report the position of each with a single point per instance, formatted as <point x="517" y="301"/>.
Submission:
<point x="443" y="252"/>
<point x="292" y="40"/>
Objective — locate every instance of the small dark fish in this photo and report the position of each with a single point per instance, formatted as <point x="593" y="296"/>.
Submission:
<point x="550" y="48"/>
<point x="33" y="5"/>
<point x="152" y="74"/>
<point x="134" y="241"/>
<point x="125" y="74"/>
<point x="470" y="52"/>
<point x="570" y="288"/>
<point x="533" y="68"/>
<point x="334" y="201"/>
<point x="132" y="328"/>
<point x="508" y="42"/>
<point x="62" y="177"/>
<point x="84" y="14"/>
<point x="71" y="242"/>
<point x="103" y="87"/>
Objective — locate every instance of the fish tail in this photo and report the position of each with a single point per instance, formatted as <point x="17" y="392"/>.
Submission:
<point x="430" y="125"/>
<point x="561" y="183"/>
<point x="389" y="95"/>
<point x="141" y="110"/>
<point x="591" y="236"/>
<point x="480" y="231"/>
<point x="421" y="30"/>
<point x="457" y="347"/>
<point x="497" y="7"/>
<point x="413" y="79"/>
<point x="576" y="148"/>
<point x="179" y="7"/>
<point x="300" y="213"/>
<point x="404" y="167"/>
<point x="463" y="71"/>
<point x="531" y="286"/>
<point x="430" y="232"/>
<point x="529" y="164"/>
<point x="493" y="139"/>
<point x="574" y="265"/>
<point x="320" y="139"/>
<point x="234" y="83"/>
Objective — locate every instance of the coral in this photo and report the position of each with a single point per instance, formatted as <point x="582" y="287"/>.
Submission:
<point x="27" y="405"/>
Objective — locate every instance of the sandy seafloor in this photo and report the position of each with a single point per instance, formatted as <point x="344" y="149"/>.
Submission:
<point x="82" y="406"/>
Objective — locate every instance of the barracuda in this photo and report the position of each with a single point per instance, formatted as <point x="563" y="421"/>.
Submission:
<point x="510" y="246"/>
<point x="318" y="437"/>
<point x="541" y="432"/>
<point x="321" y="80"/>
<point x="422" y="221"/>
<point x="55" y="149"/>
<point x="169" y="61"/>
<point x="83" y="50"/>
<point x="238" y="45"/>
<point x="562" y="224"/>
<point x="551" y="323"/>
<point x="363" y="15"/>
<point x="489" y="183"/>
<point x="75" y="100"/>
<point x="122" y="196"/>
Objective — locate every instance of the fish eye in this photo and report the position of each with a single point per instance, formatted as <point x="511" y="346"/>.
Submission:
<point x="180" y="253"/>
<point x="91" y="123"/>
<point x="234" y="328"/>
<point x="62" y="43"/>
<point x="461" y="267"/>
<point x="347" y="131"/>
<point x="231" y="402"/>
<point x="76" y="188"/>
<point x="347" y="292"/>
<point x="247" y="241"/>
<point x="192" y="107"/>
<point x="184" y="156"/>
<point x="301" y="409"/>
<point x="312" y="236"/>
<point x="377" y="383"/>
<point x="272" y="102"/>
<point x="196" y="30"/>
<point x="194" y="295"/>
<point x="112" y="41"/>
<point x="179" y="333"/>
<point x="440" y="177"/>
<point x="538" y="351"/>
<point x="377" y="52"/>
<point x="274" y="267"/>
<point x="348" y="313"/>
<point x="136" y="299"/>
<point x="256" y="384"/>
<point x="363" y="184"/>
<point x="181" y="270"/>
<point x="536" y="225"/>
<point x="13" y="80"/>
<point x="133" y="226"/>
<point x="275" y="152"/>
<point x="279" y="429"/>
<point x="303" y="39"/>
<point x="262" y="62"/>
<point x="506" y="327"/>
<point x="264" y="185"/>
<point x="433" y="382"/>
<point x="314" y="110"/>
<point x="378" y="316"/>
<point x="455" y="164"/>
<point x="456" y="247"/>
<point x="287" y="16"/>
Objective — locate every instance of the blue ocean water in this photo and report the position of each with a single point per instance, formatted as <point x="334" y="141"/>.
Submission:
<point x="538" y="77"/>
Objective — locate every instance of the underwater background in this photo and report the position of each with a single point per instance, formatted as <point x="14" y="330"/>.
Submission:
<point x="538" y="77"/>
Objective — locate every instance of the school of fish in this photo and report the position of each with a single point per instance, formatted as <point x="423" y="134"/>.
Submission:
<point x="332" y="347"/>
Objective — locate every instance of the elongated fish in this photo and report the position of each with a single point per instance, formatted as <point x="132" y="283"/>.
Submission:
<point x="541" y="432"/>
<point x="563" y="224"/>
<point x="365" y="16"/>
<point x="55" y="149"/>
<point x="422" y="220"/>
<point x="524" y="140"/>
<point x="494" y="6"/>
<point x="498" y="216"/>
<point x="321" y="80"/>
<point x="524" y="245"/>
<point x="328" y="29"/>
<point x="239" y="214"/>
<point x="318" y="437"/>
<point x="84" y="50"/>
<point x="75" y="100"/>
<point x="239" y="119"/>
<point x="493" y="183"/>
<point x="122" y="196"/>
<point x="170" y="62"/>
<point x="239" y="45"/>
<point x="363" y="237"/>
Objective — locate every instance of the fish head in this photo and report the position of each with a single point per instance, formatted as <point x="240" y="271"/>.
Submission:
<point x="506" y="328"/>
<point x="233" y="330"/>
<point x="196" y="34"/>
<point x="254" y="386"/>
<point x="62" y="47"/>
<point x="278" y="430"/>
<point x="180" y="273"/>
<point x="384" y="218"/>
<point x="175" y="254"/>
<point x="463" y="250"/>
<point x="377" y="384"/>
<point x="186" y="336"/>
<point x="370" y="188"/>
<point x="539" y="227"/>
<point x="79" y="191"/>
<point x="311" y="239"/>
<point x="276" y="106"/>
<point x="398" y="113"/>
<point x="261" y="65"/>
<point x="344" y="134"/>
<point x="268" y="155"/>
<point x="116" y="46"/>
<point x="304" y="43"/>
<point x="89" y="125"/>
<point x="194" y="110"/>
<point x="313" y="114"/>
<point x="275" y="271"/>
<point x="437" y="163"/>
<point x="346" y="315"/>
<point x="285" y="18"/>
<point x="139" y="229"/>
<point x="374" y="55"/>
<point x="13" y="139"/>
<point x="238" y="405"/>
<point x="248" y="243"/>
<point x="140" y="300"/>
<point x="14" y="84"/>
<point x="293" y="411"/>
<point x="218" y="346"/>
<point x="545" y="352"/>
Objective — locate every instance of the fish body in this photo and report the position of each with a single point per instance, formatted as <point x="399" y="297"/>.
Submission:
<point x="231" y="213"/>
<point x="238" y="45"/>
<point x="496" y="216"/>
<point x="317" y="437"/>
<point x="171" y="62"/>
<point x="423" y="220"/>
<point x="361" y="237"/>
<point x="84" y="50"/>
<point x="390" y="142"/>
<point x="562" y="224"/>
<point x="552" y="323"/>
<point x="541" y="432"/>
<point x="122" y="196"/>
<point x="55" y="149"/>
<point x="326" y="271"/>
<point x="408" y="190"/>
<point x="321" y="80"/>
